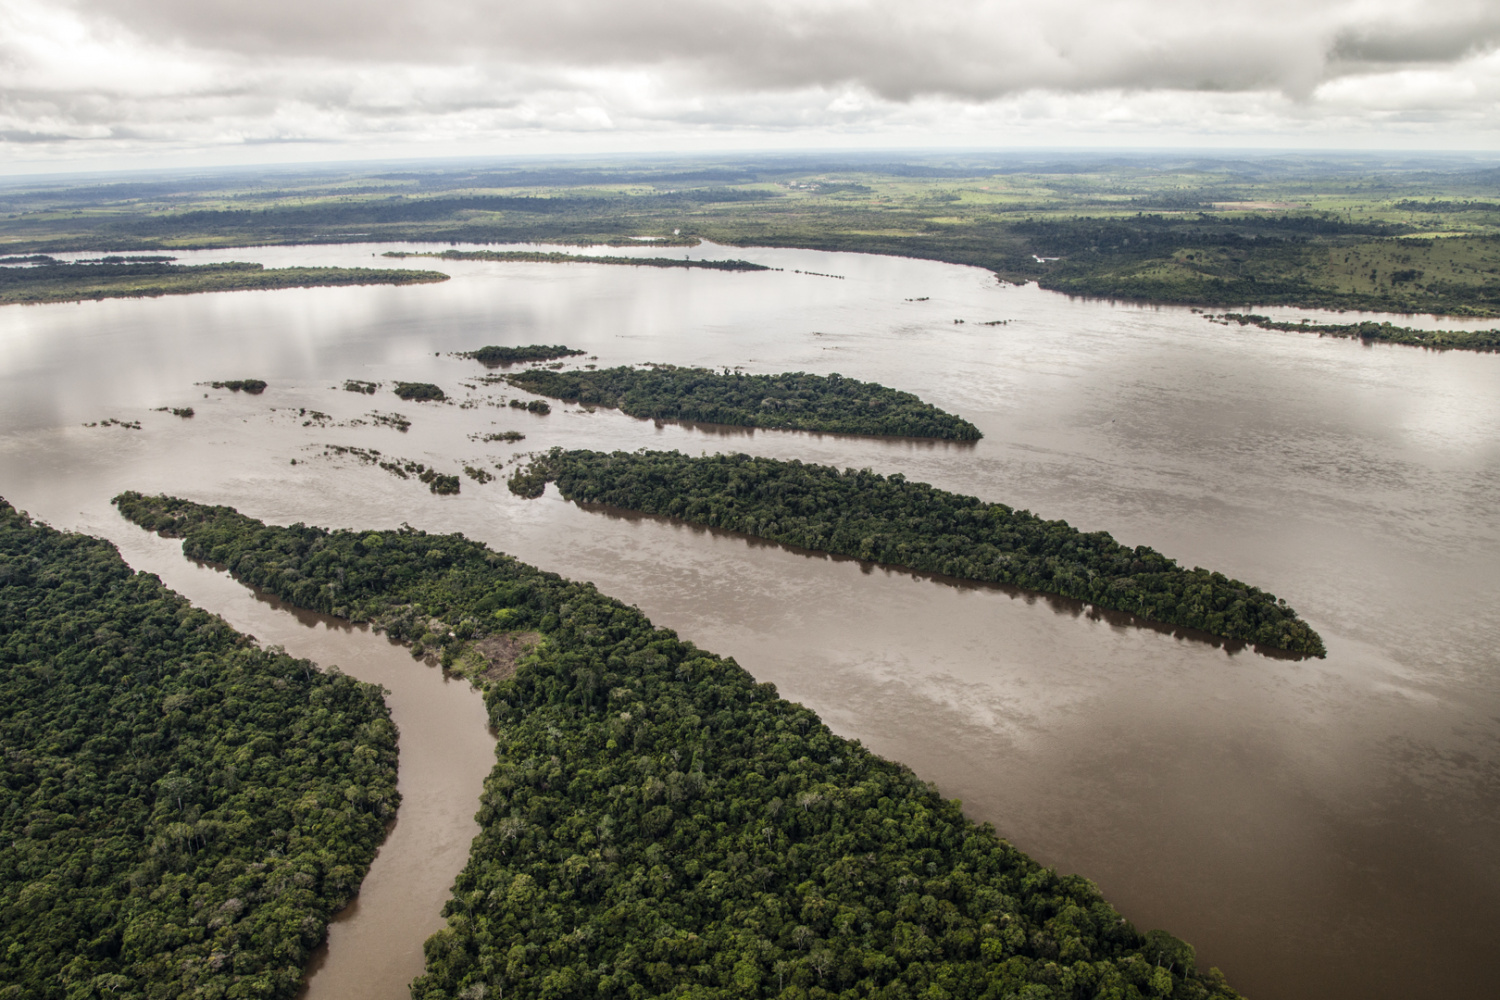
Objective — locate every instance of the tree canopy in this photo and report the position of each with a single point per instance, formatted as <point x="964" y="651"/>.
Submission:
<point x="659" y="824"/>
<point x="181" y="812"/>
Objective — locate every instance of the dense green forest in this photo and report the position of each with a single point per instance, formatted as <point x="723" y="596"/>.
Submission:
<point x="551" y="257"/>
<point x="1385" y="333"/>
<point x="792" y="401"/>
<point x="180" y="811"/>
<point x="659" y="824"/>
<point x="60" y="282"/>
<point x="889" y="520"/>
<point x="495" y="356"/>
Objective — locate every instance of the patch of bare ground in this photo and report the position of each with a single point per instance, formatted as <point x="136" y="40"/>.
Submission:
<point x="502" y="651"/>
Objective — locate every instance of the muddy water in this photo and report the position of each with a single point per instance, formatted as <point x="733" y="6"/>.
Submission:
<point x="1318" y="829"/>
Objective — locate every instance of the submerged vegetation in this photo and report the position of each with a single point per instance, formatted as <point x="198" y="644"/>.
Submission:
<point x="420" y="391"/>
<point x="1372" y="332"/>
<point x="496" y="356"/>
<point x="887" y="519"/>
<point x="549" y="257"/>
<point x="359" y="385"/>
<point x="180" y="811"/>
<point x="537" y="406"/>
<point x="402" y="468"/>
<point x="660" y="824"/>
<point x="795" y="401"/>
<point x="117" y="278"/>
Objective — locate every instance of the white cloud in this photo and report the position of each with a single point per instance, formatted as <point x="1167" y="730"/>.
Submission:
<point x="87" y="78"/>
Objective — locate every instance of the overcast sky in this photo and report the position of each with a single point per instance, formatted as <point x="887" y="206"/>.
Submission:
<point x="95" y="84"/>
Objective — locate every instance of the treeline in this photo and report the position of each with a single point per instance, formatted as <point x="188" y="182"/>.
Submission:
<point x="794" y="401"/>
<point x="180" y="811"/>
<point x="57" y="282"/>
<point x="889" y="520"/>
<point x="551" y="257"/>
<point x="1384" y="332"/>
<point x="659" y="824"/>
<point x="494" y="356"/>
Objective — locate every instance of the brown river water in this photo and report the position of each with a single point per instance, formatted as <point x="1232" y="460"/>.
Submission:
<point x="1316" y="828"/>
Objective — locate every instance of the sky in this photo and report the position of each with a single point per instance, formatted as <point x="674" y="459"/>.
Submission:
<point x="106" y="84"/>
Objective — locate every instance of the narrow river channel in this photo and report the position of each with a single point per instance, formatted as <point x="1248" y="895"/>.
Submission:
<point x="374" y="947"/>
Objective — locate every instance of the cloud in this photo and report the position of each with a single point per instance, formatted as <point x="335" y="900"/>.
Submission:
<point x="336" y="71"/>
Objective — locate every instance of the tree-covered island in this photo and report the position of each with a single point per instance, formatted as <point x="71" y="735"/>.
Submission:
<point x="793" y="401"/>
<point x="58" y="281"/>
<point x="493" y="356"/>
<point x="181" y="812"/>
<point x="1370" y="331"/>
<point x="888" y="520"/>
<point x="557" y="257"/>
<point x="658" y="824"/>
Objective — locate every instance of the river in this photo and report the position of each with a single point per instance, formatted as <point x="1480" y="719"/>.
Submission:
<point x="1316" y="828"/>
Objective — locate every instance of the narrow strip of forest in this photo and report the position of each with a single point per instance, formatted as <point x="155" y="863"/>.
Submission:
<point x="181" y="812"/>
<point x="557" y="257"/>
<point x="888" y="520"/>
<point x="58" y="281"/>
<point x="793" y="401"/>
<point x="660" y="824"/>
<point x="1370" y="331"/>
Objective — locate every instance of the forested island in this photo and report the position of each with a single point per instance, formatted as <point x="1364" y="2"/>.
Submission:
<point x="557" y="257"/>
<point x="63" y="282"/>
<point x="494" y="357"/>
<point x="420" y="392"/>
<point x="1370" y="331"/>
<point x="660" y="824"/>
<point x="181" y="812"/>
<point x="794" y="401"/>
<point x="888" y="520"/>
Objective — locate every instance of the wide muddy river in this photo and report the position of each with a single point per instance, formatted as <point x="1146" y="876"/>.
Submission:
<point x="1316" y="828"/>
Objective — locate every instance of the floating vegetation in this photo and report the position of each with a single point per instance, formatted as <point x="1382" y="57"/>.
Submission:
<point x="507" y="436"/>
<point x="130" y="425"/>
<point x="359" y="385"/>
<point x="537" y="406"/>
<point x="176" y="411"/>
<point x="317" y="417"/>
<point x="493" y="356"/>
<point x="253" y="386"/>
<point x="420" y="392"/>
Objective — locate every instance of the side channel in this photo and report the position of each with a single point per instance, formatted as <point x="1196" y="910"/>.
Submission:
<point x="374" y="947"/>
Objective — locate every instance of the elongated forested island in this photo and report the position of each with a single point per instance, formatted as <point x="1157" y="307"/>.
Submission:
<point x="58" y="281"/>
<point x="1370" y="331"/>
<point x="793" y="401"/>
<point x="658" y="824"/>
<point x="888" y="520"/>
<point x="493" y="356"/>
<point x="180" y="811"/>
<point x="557" y="257"/>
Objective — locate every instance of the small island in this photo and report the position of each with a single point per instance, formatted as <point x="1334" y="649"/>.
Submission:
<point x="114" y="278"/>
<point x="794" y="401"/>
<point x="654" y="810"/>
<point x="495" y="357"/>
<point x="420" y="392"/>
<point x="253" y="386"/>
<point x="555" y="257"/>
<point x="888" y="520"/>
